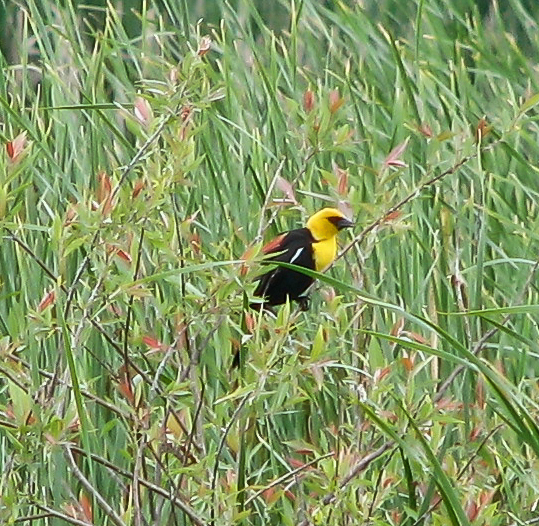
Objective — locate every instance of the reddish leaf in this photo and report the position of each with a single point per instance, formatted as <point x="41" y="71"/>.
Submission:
<point x="71" y="214"/>
<point x="104" y="188"/>
<point x="290" y="495"/>
<point x="269" y="495"/>
<point x="117" y="311"/>
<point x="482" y="129"/>
<point x="475" y="432"/>
<point x="15" y="147"/>
<point x="308" y="100"/>
<point x="250" y="323"/>
<point x="408" y="363"/>
<point x="194" y="240"/>
<point x="186" y="112"/>
<point x="500" y="367"/>
<point x="396" y="330"/>
<point x="295" y="463"/>
<point x="181" y="329"/>
<point x="380" y="374"/>
<point x="388" y="415"/>
<point x="142" y="110"/>
<point x="10" y="150"/>
<point x="472" y="510"/>
<point x="204" y="46"/>
<point x="139" y="186"/>
<point x="416" y="337"/>
<point x="392" y="216"/>
<point x="485" y="497"/>
<point x="449" y="405"/>
<point x="426" y="130"/>
<point x="125" y="388"/>
<point x="335" y="101"/>
<point x="393" y="159"/>
<point x="122" y="254"/>
<point x="285" y="186"/>
<point x="107" y="207"/>
<point x="74" y="425"/>
<point x="305" y="451"/>
<point x="247" y="257"/>
<point x="388" y="481"/>
<point x="86" y="508"/>
<point x="48" y="299"/>
<point x="435" y="500"/>
<point x="342" y="184"/>
<point x="152" y="342"/>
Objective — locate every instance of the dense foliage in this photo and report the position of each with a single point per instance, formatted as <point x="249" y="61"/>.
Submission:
<point x="147" y="157"/>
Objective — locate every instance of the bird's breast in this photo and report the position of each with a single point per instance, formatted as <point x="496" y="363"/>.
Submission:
<point x="324" y="253"/>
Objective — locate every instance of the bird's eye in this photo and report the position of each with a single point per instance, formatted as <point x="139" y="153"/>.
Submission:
<point x="340" y="222"/>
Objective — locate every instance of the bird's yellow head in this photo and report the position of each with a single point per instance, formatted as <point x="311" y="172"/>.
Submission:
<point x="326" y="223"/>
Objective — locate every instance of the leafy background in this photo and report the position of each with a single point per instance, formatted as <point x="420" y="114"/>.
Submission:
<point x="151" y="147"/>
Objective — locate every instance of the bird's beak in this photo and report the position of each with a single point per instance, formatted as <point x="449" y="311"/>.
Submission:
<point x="344" y="223"/>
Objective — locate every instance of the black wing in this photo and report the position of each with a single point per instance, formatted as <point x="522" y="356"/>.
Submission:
<point x="293" y="247"/>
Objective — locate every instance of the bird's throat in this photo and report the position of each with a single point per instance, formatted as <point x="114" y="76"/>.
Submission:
<point x="324" y="253"/>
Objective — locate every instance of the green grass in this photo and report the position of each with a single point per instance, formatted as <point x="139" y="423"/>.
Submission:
<point x="407" y="395"/>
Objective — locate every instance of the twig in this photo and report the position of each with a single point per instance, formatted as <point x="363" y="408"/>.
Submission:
<point x="220" y="449"/>
<point x="261" y="226"/>
<point x="136" y="480"/>
<point x="491" y="332"/>
<point x="367" y="460"/>
<point x="94" y="323"/>
<point x="147" y="484"/>
<point x="50" y="512"/>
<point x="127" y="376"/>
<point x="361" y="236"/>
<point x="433" y="506"/>
<point x="84" y="392"/>
<point x="85" y="483"/>
<point x="286" y="476"/>
<point x="127" y="170"/>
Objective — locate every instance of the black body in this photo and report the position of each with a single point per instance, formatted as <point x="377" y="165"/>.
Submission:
<point x="278" y="283"/>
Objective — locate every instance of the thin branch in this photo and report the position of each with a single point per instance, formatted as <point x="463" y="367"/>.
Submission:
<point x="127" y="376"/>
<point x="286" y="476"/>
<point x="220" y="449"/>
<point x="438" y="501"/>
<point x="367" y="460"/>
<point x="489" y="334"/>
<point x="127" y="170"/>
<point x="136" y="480"/>
<point x="85" y="483"/>
<point x="50" y="512"/>
<point x="147" y="484"/>
<point x="84" y="392"/>
<point x="391" y="210"/>
<point x="261" y="225"/>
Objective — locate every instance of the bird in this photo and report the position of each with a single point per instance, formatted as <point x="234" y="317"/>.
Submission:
<point x="313" y="247"/>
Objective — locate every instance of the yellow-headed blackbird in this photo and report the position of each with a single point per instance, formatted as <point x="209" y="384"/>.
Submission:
<point x="313" y="247"/>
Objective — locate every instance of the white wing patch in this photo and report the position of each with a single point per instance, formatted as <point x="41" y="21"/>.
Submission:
<point x="296" y="255"/>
